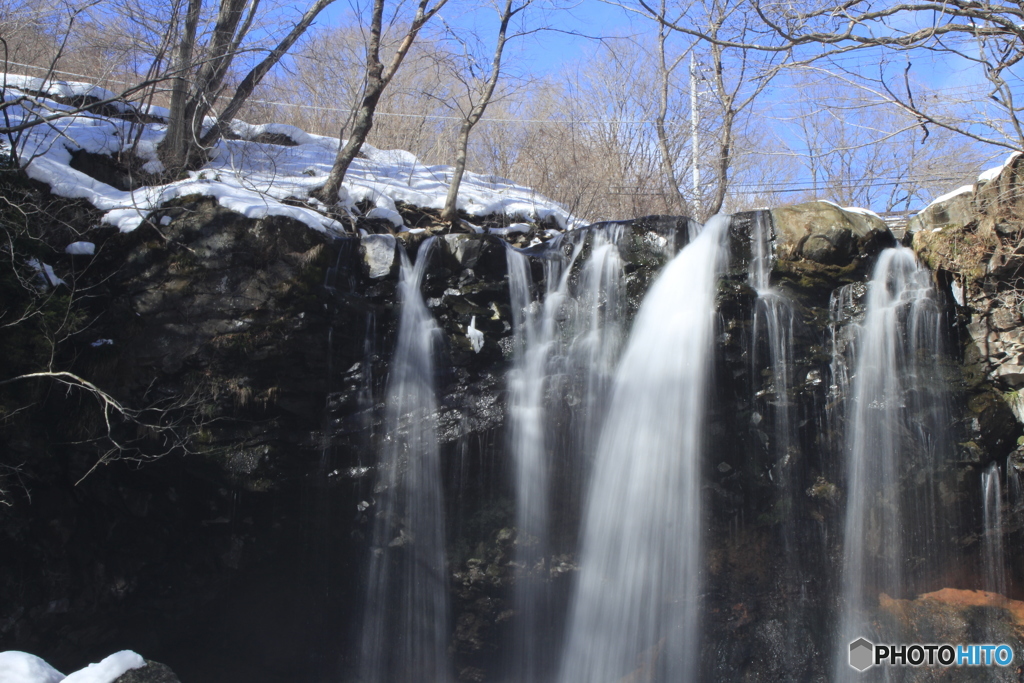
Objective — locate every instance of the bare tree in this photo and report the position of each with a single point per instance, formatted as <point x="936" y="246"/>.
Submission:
<point x="859" y="151"/>
<point x="988" y="35"/>
<point x="193" y="96"/>
<point x="737" y="77"/>
<point x="322" y="90"/>
<point x="479" y="92"/>
<point x="377" y="79"/>
<point x="667" y="67"/>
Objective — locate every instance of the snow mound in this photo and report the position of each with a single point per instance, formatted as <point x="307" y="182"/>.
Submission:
<point x="963" y="189"/>
<point x="993" y="173"/>
<point x="254" y="179"/>
<point x="854" y="209"/>
<point x="108" y="670"/>
<point x="21" y="667"/>
<point x="63" y="90"/>
<point x="80" y="249"/>
<point x="54" y="88"/>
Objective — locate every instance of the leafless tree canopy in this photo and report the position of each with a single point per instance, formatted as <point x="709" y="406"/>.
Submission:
<point x="761" y="102"/>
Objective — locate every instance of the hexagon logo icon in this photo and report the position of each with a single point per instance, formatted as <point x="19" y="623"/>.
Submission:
<point x="861" y="654"/>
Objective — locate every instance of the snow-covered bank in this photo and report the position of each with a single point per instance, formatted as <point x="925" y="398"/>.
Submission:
<point x="256" y="179"/>
<point x="21" y="667"/>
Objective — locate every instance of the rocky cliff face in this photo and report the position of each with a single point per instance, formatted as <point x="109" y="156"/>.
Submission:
<point x="242" y="552"/>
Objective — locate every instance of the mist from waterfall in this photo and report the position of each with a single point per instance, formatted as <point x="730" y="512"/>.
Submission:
<point x="635" y="608"/>
<point x="405" y="628"/>
<point x="895" y="435"/>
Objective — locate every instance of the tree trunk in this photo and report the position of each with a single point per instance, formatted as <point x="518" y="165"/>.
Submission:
<point x="723" y="163"/>
<point x="171" y="149"/>
<point x="376" y="80"/>
<point x="450" y="213"/>
<point x="254" y="77"/>
<point x="360" y="130"/>
<point x="675" y="196"/>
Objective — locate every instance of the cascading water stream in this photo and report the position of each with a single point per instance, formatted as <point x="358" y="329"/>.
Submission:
<point x="636" y="603"/>
<point x="536" y="328"/>
<point x="405" y="629"/>
<point x="773" y="332"/>
<point x="594" y="353"/>
<point x="565" y="345"/>
<point x="895" y="438"/>
<point x="993" y="555"/>
<point x="772" y="349"/>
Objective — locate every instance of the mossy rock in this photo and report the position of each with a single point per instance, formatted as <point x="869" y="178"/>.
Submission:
<point x="957" y="248"/>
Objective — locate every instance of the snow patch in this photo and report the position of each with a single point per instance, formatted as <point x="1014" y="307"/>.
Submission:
<point x="57" y="88"/>
<point x="248" y="131"/>
<point x="387" y="214"/>
<point x="515" y="228"/>
<point x="950" y="195"/>
<point x="21" y="667"/>
<point x="256" y="180"/>
<point x="993" y="173"/>
<point x="45" y="271"/>
<point x="108" y="670"/>
<point x="854" y="209"/>
<point x="475" y="336"/>
<point x="80" y="249"/>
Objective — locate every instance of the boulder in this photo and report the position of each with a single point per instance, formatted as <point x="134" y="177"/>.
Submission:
<point x="826" y="233"/>
<point x="955" y="209"/>
<point x="379" y="255"/>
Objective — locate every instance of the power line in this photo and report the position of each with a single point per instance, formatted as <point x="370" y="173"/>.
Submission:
<point x="779" y="187"/>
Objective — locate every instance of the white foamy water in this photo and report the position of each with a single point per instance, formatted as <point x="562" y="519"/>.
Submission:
<point x="634" y="612"/>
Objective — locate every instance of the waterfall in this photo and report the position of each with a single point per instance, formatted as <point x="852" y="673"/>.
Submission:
<point x="536" y="329"/>
<point x="772" y="349"/>
<point x="405" y="630"/>
<point x="566" y="346"/>
<point x="634" y="611"/>
<point x="992" y="542"/>
<point x="895" y="437"/>
<point x="595" y="351"/>
<point x="773" y="332"/>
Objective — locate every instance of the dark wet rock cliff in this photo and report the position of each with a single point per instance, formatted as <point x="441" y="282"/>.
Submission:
<point x="239" y="553"/>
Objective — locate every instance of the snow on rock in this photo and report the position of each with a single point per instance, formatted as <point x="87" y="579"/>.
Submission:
<point x="854" y="209"/>
<point x="257" y="180"/>
<point x="861" y="211"/>
<point x="993" y="173"/>
<point x="56" y="88"/>
<point x="385" y="208"/>
<point x="387" y="214"/>
<point x="108" y="670"/>
<point x="46" y="273"/>
<point x="964" y="189"/>
<point x="521" y="228"/>
<point x="379" y="254"/>
<point x="80" y="249"/>
<point x="248" y="131"/>
<point x="21" y="667"/>
<point x="475" y="336"/>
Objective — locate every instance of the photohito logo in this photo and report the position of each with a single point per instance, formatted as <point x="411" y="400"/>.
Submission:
<point x="865" y="654"/>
